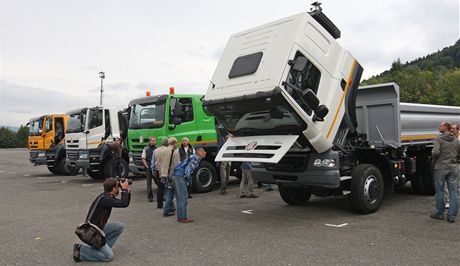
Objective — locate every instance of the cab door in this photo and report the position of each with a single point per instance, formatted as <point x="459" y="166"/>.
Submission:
<point x="95" y="127"/>
<point x="48" y="136"/>
<point x="185" y="119"/>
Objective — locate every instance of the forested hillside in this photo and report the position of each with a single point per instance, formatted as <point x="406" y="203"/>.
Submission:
<point x="432" y="79"/>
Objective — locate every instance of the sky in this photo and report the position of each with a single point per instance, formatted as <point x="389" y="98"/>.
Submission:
<point x="51" y="51"/>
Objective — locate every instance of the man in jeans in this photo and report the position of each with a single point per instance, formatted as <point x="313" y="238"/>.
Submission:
<point x="444" y="153"/>
<point x="165" y="163"/>
<point x="147" y="157"/>
<point x="100" y="216"/>
<point x="182" y="176"/>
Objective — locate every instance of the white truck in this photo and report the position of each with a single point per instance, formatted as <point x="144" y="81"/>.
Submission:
<point x="88" y="131"/>
<point x="289" y="93"/>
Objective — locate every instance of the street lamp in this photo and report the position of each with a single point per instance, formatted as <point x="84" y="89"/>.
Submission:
<point x="102" y="76"/>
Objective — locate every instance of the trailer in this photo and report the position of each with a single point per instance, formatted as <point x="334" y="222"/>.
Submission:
<point x="290" y="95"/>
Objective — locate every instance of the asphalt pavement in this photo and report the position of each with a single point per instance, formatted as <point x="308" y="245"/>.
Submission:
<point x="39" y="212"/>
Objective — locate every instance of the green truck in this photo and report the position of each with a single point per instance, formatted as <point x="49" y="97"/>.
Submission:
<point x="177" y="116"/>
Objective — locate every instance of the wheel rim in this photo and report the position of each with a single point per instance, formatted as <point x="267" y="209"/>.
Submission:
<point x="121" y="170"/>
<point x="204" y="177"/>
<point x="371" y="189"/>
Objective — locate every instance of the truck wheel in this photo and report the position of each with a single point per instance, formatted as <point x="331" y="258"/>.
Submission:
<point x="53" y="169"/>
<point x="294" y="195"/>
<point x="66" y="169"/>
<point x="95" y="174"/>
<point x="204" y="178"/>
<point x="366" y="188"/>
<point x="123" y="169"/>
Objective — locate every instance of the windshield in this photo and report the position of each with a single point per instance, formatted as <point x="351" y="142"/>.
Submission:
<point x="36" y="127"/>
<point x="147" y="115"/>
<point x="76" y="123"/>
<point x="260" y="116"/>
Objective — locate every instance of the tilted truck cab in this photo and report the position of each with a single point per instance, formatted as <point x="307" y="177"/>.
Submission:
<point x="289" y="93"/>
<point x="46" y="143"/>
<point x="89" y="129"/>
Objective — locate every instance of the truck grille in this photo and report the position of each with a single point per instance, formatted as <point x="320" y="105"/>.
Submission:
<point x="289" y="163"/>
<point x="72" y="155"/>
<point x="138" y="159"/>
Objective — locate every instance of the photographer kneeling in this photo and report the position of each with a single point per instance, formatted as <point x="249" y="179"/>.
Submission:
<point x="108" y="200"/>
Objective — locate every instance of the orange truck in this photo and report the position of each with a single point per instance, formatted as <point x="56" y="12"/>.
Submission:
<point x="46" y="143"/>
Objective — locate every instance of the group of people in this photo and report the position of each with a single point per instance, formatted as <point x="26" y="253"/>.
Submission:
<point x="446" y="157"/>
<point x="171" y="169"/>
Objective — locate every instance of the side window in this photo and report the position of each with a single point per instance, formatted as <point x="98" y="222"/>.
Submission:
<point x="95" y="118"/>
<point x="187" y="108"/>
<point x="49" y="124"/>
<point x="308" y="78"/>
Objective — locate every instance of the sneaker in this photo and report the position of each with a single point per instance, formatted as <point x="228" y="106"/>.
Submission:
<point x="450" y="220"/>
<point x="223" y="193"/>
<point x="76" y="252"/>
<point x="190" y="196"/>
<point x="437" y="216"/>
<point x="150" y="200"/>
<point x="184" y="221"/>
<point x="242" y="196"/>
<point x="269" y="188"/>
<point x="167" y="214"/>
<point x="253" y="196"/>
<point x="160" y="206"/>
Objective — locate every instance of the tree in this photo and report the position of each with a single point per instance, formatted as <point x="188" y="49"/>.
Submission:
<point x="21" y="137"/>
<point x="7" y="138"/>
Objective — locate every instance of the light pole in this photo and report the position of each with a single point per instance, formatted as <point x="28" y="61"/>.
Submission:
<point x="102" y="76"/>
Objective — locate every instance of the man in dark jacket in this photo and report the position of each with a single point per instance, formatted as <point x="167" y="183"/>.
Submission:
<point x="101" y="215"/>
<point x="117" y="152"/>
<point x="147" y="155"/>
<point x="444" y="153"/>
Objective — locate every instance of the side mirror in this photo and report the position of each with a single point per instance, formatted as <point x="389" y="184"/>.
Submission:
<point x="320" y="112"/>
<point x="299" y="63"/>
<point x="310" y="99"/>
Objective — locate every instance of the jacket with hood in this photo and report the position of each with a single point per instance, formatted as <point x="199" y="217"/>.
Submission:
<point x="445" y="151"/>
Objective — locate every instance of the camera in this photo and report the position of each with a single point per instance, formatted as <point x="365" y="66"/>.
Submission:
<point x="122" y="180"/>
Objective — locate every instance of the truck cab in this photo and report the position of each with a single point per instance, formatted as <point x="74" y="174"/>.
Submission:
<point x="89" y="129"/>
<point x="173" y="115"/>
<point x="46" y="142"/>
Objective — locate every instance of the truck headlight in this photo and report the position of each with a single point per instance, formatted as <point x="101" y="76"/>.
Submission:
<point x="324" y="163"/>
<point x="41" y="154"/>
<point x="83" y="156"/>
<point x="131" y="159"/>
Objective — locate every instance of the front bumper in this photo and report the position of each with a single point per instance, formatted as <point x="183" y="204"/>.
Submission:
<point x="37" y="157"/>
<point x="74" y="159"/>
<point x="298" y="170"/>
<point x="135" y="163"/>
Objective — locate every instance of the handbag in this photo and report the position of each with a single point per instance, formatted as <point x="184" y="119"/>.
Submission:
<point x="90" y="233"/>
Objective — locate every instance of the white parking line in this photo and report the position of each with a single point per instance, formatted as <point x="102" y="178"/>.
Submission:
<point x="337" y="225"/>
<point x="247" y="211"/>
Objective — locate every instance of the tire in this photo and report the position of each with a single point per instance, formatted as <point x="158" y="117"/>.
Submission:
<point x="367" y="188"/>
<point x="64" y="168"/>
<point x="123" y="169"/>
<point x="294" y="195"/>
<point x="53" y="169"/>
<point x="204" y="178"/>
